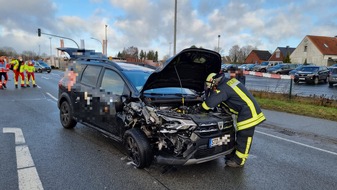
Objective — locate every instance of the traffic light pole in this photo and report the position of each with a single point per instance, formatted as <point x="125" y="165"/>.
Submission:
<point x="39" y="34"/>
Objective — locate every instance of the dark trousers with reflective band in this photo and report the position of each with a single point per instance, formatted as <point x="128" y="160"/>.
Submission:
<point x="244" y="139"/>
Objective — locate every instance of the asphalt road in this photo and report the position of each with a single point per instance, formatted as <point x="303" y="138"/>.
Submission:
<point x="84" y="159"/>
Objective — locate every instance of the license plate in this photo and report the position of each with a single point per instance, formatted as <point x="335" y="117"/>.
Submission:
<point x="302" y="78"/>
<point x="219" y="141"/>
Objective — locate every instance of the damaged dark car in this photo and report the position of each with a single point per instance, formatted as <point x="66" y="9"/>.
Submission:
<point x="154" y="113"/>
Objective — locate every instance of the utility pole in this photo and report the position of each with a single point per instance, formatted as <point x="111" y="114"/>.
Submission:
<point x="175" y="29"/>
<point x="106" y="41"/>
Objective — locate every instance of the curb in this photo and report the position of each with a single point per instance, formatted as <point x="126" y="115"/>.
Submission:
<point x="268" y="75"/>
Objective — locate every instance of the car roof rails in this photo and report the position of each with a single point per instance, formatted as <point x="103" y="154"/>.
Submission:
<point x="76" y="53"/>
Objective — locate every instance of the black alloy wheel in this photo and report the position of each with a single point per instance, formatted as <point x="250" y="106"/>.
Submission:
<point x="138" y="148"/>
<point x="66" y="116"/>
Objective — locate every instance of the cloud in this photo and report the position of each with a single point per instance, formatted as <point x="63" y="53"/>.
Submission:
<point x="149" y="24"/>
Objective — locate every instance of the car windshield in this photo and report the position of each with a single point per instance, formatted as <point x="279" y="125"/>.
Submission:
<point x="278" y="66"/>
<point x="264" y="63"/>
<point x="138" y="79"/>
<point x="310" y="69"/>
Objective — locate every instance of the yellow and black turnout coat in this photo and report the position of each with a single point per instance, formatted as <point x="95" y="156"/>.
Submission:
<point x="234" y="95"/>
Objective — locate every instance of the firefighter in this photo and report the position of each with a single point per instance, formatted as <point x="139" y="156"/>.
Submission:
<point x="4" y="68"/>
<point x="232" y="94"/>
<point x="18" y="69"/>
<point x="30" y="69"/>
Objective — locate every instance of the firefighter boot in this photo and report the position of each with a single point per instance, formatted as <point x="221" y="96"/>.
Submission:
<point x="16" y="86"/>
<point x="232" y="163"/>
<point x="34" y="85"/>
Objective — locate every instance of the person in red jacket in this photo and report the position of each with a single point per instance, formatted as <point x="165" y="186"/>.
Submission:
<point x="4" y="67"/>
<point x="18" y="69"/>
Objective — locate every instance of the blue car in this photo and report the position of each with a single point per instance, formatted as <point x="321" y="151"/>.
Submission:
<point x="41" y="66"/>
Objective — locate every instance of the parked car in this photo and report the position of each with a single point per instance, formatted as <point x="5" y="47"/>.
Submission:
<point x="283" y="69"/>
<point x="299" y="67"/>
<point x="152" y="112"/>
<point x="312" y="74"/>
<point x="41" y="66"/>
<point x="247" y="67"/>
<point x="332" y="79"/>
<point x="264" y="66"/>
<point x="334" y="65"/>
<point x="230" y="67"/>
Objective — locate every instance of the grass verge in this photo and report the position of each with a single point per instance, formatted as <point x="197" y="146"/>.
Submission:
<point x="318" y="107"/>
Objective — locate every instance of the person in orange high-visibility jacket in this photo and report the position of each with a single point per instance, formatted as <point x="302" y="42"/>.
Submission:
<point x="4" y="68"/>
<point x="232" y="94"/>
<point x="18" y="69"/>
<point x="30" y="69"/>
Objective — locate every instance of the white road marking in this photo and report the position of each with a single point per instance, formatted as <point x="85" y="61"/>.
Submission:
<point x="298" y="143"/>
<point x="19" y="138"/>
<point x="23" y="157"/>
<point x="29" y="179"/>
<point x="52" y="96"/>
<point x="45" y="77"/>
<point x="27" y="174"/>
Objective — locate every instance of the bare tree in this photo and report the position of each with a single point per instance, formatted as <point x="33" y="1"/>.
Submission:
<point x="238" y="55"/>
<point x="234" y="53"/>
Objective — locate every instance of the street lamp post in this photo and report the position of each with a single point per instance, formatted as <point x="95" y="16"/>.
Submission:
<point x="99" y="42"/>
<point x="50" y="46"/>
<point x="219" y="43"/>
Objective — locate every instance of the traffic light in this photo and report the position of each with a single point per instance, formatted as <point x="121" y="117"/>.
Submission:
<point x="39" y="32"/>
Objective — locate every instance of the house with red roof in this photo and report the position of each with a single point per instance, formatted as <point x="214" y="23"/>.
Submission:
<point x="281" y="53"/>
<point x="257" y="56"/>
<point x="319" y="50"/>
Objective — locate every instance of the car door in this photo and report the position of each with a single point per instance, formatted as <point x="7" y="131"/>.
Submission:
<point x="323" y="73"/>
<point x="112" y="89"/>
<point x="86" y="94"/>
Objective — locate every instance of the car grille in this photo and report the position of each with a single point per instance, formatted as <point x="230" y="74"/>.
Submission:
<point x="302" y="75"/>
<point x="211" y="130"/>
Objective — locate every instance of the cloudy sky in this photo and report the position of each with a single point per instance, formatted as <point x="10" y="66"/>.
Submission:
<point x="149" y="24"/>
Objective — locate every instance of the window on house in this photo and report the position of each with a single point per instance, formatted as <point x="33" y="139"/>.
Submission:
<point x="305" y="48"/>
<point x="277" y="54"/>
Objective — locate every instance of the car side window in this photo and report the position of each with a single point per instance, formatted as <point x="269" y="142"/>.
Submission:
<point x="90" y="75"/>
<point x="112" y="82"/>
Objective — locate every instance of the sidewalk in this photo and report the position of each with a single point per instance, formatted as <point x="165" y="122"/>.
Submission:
<point x="317" y="126"/>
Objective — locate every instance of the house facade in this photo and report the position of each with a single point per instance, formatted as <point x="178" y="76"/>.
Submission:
<point x="281" y="53"/>
<point x="258" y="56"/>
<point x="319" y="50"/>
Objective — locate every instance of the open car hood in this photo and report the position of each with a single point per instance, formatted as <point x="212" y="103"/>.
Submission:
<point x="188" y="69"/>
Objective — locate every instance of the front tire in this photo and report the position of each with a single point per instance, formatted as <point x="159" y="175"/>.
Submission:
<point x="138" y="147"/>
<point x="66" y="116"/>
<point x="316" y="80"/>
